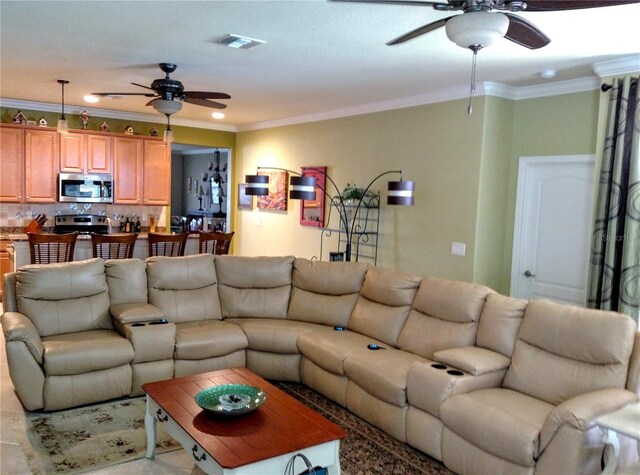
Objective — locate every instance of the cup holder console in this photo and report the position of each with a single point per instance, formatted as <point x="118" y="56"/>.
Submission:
<point x="452" y="372"/>
<point x="154" y="322"/>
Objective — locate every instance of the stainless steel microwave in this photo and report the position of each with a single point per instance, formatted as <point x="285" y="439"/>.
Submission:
<point x="78" y="188"/>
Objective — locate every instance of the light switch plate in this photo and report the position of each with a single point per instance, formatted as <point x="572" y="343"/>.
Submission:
<point x="458" y="248"/>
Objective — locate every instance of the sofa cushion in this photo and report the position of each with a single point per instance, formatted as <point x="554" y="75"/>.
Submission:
<point x="258" y="287"/>
<point x="328" y="348"/>
<point x="499" y="323"/>
<point x="325" y="292"/>
<point x="127" y="280"/>
<point x="184" y="288"/>
<point x="444" y="315"/>
<point x="83" y="352"/>
<point x="64" y="298"/>
<point x="382" y="373"/>
<point x="499" y="421"/>
<point x="384" y="304"/>
<point x="274" y="335"/>
<point x="564" y="351"/>
<point x="206" y="339"/>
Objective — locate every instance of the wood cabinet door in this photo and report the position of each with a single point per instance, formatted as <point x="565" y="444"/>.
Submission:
<point x="127" y="170"/>
<point x="41" y="160"/>
<point x="72" y="153"/>
<point x="11" y="164"/>
<point x="98" y="154"/>
<point x="157" y="173"/>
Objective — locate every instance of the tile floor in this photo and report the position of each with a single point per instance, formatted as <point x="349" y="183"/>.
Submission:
<point x="13" y="462"/>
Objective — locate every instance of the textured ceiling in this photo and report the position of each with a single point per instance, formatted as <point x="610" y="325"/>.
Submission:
<point x="318" y="57"/>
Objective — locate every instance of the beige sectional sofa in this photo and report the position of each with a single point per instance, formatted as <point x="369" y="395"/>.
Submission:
<point x="483" y="382"/>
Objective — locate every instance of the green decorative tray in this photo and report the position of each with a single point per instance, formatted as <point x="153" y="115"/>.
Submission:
<point x="230" y="399"/>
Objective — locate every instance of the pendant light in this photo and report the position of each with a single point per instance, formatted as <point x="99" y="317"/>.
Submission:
<point x="168" y="133"/>
<point x="63" y="125"/>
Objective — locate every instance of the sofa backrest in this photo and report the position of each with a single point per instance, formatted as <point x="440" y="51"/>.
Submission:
<point x="127" y="280"/>
<point x="633" y="381"/>
<point x="499" y="323"/>
<point x="384" y="304"/>
<point x="444" y="314"/>
<point x="64" y="298"/>
<point x="563" y="351"/>
<point x="184" y="288"/>
<point x="325" y="292"/>
<point x="258" y="287"/>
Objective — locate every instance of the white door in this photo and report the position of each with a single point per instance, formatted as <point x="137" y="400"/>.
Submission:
<point x="552" y="232"/>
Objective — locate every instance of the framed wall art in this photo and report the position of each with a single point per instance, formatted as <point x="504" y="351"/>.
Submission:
<point x="276" y="200"/>
<point x="244" y="201"/>
<point x="312" y="211"/>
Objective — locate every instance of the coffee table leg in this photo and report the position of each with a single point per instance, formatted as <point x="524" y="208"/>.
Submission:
<point x="150" y="428"/>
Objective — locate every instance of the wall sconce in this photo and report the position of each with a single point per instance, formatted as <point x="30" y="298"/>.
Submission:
<point x="303" y="188"/>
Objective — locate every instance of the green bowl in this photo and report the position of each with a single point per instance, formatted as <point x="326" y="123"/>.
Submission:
<point x="230" y="399"/>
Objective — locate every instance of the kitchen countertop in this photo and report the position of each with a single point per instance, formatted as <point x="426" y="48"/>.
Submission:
<point x="82" y="237"/>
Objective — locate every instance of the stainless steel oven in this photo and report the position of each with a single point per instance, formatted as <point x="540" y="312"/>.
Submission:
<point x="78" y="188"/>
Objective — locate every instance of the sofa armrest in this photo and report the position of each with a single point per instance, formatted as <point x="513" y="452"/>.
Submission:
<point x="137" y="312"/>
<point x="473" y="360"/>
<point x="580" y="411"/>
<point x="18" y="327"/>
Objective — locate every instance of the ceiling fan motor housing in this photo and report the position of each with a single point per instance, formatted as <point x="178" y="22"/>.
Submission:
<point x="168" y="89"/>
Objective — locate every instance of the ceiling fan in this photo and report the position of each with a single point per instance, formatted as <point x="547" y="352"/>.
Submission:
<point x="478" y="27"/>
<point x="169" y="94"/>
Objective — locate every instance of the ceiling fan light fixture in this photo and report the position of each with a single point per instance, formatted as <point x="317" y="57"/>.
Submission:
<point x="167" y="107"/>
<point x="477" y="29"/>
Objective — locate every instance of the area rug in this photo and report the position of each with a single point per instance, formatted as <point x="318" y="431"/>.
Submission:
<point x="92" y="437"/>
<point x="76" y="440"/>
<point x="366" y="450"/>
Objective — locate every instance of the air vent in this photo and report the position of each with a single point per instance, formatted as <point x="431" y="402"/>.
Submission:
<point x="239" y="42"/>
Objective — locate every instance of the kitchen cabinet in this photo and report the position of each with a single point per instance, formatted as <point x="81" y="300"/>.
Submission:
<point x="5" y="264"/>
<point x="29" y="165"/>
<point x="82" y="152"/>
<point x="11" y="164"/>
<point x="142" y="171"/>
<point x="157" y="173"/>
<point x="128" y="153"/>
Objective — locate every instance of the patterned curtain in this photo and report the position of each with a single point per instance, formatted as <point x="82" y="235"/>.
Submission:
<point x="614" y="273"/>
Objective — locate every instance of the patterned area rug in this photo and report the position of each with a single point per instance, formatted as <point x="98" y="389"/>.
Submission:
<point x="75" y="440"/>
<point x="366" y="450"/>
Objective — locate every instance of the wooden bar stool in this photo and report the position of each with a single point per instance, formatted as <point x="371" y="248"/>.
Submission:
<point x="171" y="245"/>
<point x="51" y="248"/>
<point x="113" y="246"/>
<point x="215" y="243"/>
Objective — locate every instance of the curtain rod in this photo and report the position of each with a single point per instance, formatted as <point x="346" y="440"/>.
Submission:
<point x="605" y="87"/>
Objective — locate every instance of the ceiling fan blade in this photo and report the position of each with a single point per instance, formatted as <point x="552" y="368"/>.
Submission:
<point x="106" y="94"/>
<point x="140" y="85"/>
<point x="419" y="31"/>
<point x="204" y="102"/>
<point x="206" y="95"/>
<point x="553" y="5"/>
<point x="420" y="3"/>
<point x="525" y="33"/>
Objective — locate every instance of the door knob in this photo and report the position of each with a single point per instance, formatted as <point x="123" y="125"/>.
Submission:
<point x="528" y="273"/>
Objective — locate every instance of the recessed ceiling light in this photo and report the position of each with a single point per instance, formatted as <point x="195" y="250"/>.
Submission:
<point x="239" y="42"/>
<point x="91" y="98"/>
<point x="217" y="115"/>
<point x="548" y="74"/>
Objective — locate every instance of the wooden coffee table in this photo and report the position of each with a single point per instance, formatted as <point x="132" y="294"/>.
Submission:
<point x="260" y="442"/>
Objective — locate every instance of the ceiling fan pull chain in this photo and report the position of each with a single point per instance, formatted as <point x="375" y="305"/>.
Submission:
<point x="472" y="88"/>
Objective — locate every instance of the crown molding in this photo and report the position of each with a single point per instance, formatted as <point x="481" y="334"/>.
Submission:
<point x="113" y="114"/>
<point x="619" y="66"/>
<point x="557" y="88"/>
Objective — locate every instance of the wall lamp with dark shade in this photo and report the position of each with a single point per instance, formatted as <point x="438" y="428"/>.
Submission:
<point x="301" y="187"/>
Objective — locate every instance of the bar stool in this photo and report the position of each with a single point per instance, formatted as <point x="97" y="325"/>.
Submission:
<point x="113" y="246"/>
<point x="171" y="245"/>
<point x="51" y="248"/>
<point x="215" y="243"/>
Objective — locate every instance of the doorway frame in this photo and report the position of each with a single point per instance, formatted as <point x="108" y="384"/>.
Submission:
<point x="523" y="191"/>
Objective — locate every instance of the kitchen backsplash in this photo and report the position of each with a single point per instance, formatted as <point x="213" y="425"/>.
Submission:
<point x="14" y="218"/>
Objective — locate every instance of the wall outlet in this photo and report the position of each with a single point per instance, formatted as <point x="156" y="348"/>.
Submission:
<point x="458" y="248"/>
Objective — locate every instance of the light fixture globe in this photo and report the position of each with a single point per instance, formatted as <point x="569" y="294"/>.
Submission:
<point x="477" y="29"/>
<point x="166" y="107"/>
